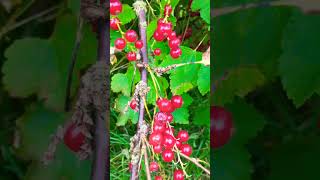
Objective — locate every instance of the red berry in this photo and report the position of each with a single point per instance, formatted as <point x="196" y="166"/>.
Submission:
<point x="158" y="36"/>
<point x="165" y="105"/>
<point x="131" y="56"/>
<point x="160" y="117"/>
<point x="133" y="104"/>
<point x="159" y="127"/>
<point x="131" y="36"/>
<point x="74" y="138"/>
<point x="172" y="35"/>
<point x="161" y="21"/>
<point x="157" y="148"/>
<point x="164" y="28"/>
<point x="114" y="23"/>
<point x="178" y="175"/>
<point x="155" y="138"/>
<point x="130" y="166"/>
<point x="154" y="166"/>
<point x="183" y="136"/>
<point x="120" y="43"/>
<point x="115" y="7"/>
<point x="168" y="141"/>
<point x="188" y="33"/>
<point x="167" y="10"/>
<point x="176" y="101"/>
<point x="221" y="126"/>
<point x="167" y="155"/>
<point x="138" y="44"/>
<point x="168" y="130"/>
<point x="175" y="53"/>
<point x="157" y="52"/>
<point x="174" y="43"/>
<point x="157" y="178"/>
<point x="178" y="144"/>
<point x="158" y="101"/>
<point x="169" y="117"/>
<point x="186" y="149"/>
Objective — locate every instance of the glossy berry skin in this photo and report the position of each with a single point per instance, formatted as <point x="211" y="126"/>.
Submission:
<point x="174" y="43"/>
<point x="167" y="130"/>
<point x="176" y="101"/>
<point x="131" y="36"/>
<point x="164" y="28"/>
<point x="183" y="136"/>
<point x="157" y="52"/>
<point x="221" y="126"/>
<point x="186" y="149"/>
<point x="155" y="138"/>
<point x="115" y="7"/>
<point x="159" y="127"/>
<point x="172" y="35"/>
<point x="178" y="144"/>
<point x="157" y="148"/>
<point x="167" y="10"/>
<point x="114" y="23"/>
<point x="133" y="104"/>
<point x="158" y="36"/>
<point x="168" y="141"/>
<point x="160" y="117"/>
<point x="74" y="138"/>
<point x="165" y="105"/>
<point x="169" y="118"/>
<point x="175" y="53"/>
<point x="120" y="43"/>
<point x="167" y="155"/>
<point x="157" y="178"/>
<point x="178" y="175"/>
<point x="132" y="56"/>
<point x="154" y="166"/>
<point x="138" y="44"/>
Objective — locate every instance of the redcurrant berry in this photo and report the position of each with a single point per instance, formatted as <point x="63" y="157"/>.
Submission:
<point x="178" y="144"/>
<point x="169" y="118"/>
<point x="133" y="104"/>
<point x="174" y="43"/>
<point x="115" y="7"/>
<point x="168" y="141"/>
<point x="158" y="36"/>
<point x="178" y="175"/>
<point x="165" y="28"/>
<point x="157" y="52"/>
<point x="183" y="136"/>
<point x="131" y="56"/>
<point x="159" y="127"/>
<point x="175" y="53"/>
<point x="188" y="33"/>
<point x="165" y="105"/>
<point x="172" y="35"/>
<point x="131" y="36"/>
<point x="154" y="166"/>
<point x="186" y="149"/>
<point x="176" y="101"/>
<point x="74" y="138"/>
<point x="167" y="155"/>
<point x="114" y="22"/>
<point x="167" y="10"/>
<point x="155" y="138"/>
<point x="221" y="126"/>
<point x="168" y="130"/>
<point x="157" y="148"/>
<point x="130" y="166"/>
<point x="160" y="117"/>
<point x="138" y="44"/>
<point x="157" y="178"/>
<point x="120" y="43"/>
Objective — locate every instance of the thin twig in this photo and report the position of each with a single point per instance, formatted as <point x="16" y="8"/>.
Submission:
<point x="146" y="161"/>
<point x="194" y="161"/>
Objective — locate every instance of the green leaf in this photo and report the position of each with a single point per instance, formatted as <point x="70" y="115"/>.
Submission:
<point x="182" y="80"/>
<point x="127" y="14"/>
<point x="74" y="5"/>
<point x="120" y="83"/>
<point x="181" y="116"/>
<point x="204" y="7"/>
<point x="299" y="64"/>
<point x="188" y="55"/>
<point x="187" y="100"/>
<point x="121" y="105"/>
<point x="152" y="26"/>
<point x="202" y="115"/>
<point x="151" y="96"/>
<point x="204" y="79"/>
<point x="113" y="36"/>
<point x="239" y="82"/>
<point x="130" y="73"/>
<point x="31" y="67"/>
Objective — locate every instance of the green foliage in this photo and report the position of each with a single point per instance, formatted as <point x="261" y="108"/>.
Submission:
<point x="127" y="14"/>
<point x="204" y="7"/>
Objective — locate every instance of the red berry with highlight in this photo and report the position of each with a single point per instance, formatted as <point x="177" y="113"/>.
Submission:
<point x="186" y="149"/>
<point x="172" y="35"/>
<point x="176" y="101"/>
<point x="138" y="44"/>
<point x="157" y="178"/>
<point x="165" y="105"/>
<point x="133" y="104"/>
<point x="132" y="56"/>
<point x="168" y="141"/>
<point x="157" y="148"/>
<point x="114" y="22"/>
<point x="178" y="175"/>
<point x="183" y="136"/>
<point x="174" y="43"/>
<point x="167" y="10"/>
<point x="115" y="7"/>
<point x="160" y="117"/>
<point x="175" y="53"/>
<point x="154" y="166"/>
<point x="168" y="130"/>
<point x="178" y="144"/>
<point x="74" y="138"/>
<point x="131" y="36"/>
<point x="169" y="118"/>
<point x="158" y="36"/>
<point x="167" y="155"/>
<point x="155" y="138"/>
<point x="157" y="52"/>
<point x="120" y="43"/>
<point x="164" y="28"/>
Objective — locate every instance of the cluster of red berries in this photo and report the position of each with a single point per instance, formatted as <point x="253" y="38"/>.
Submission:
<point x="164" y="31"/>
<point x="162" y="137"/>
<point x="129" y="37"/>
